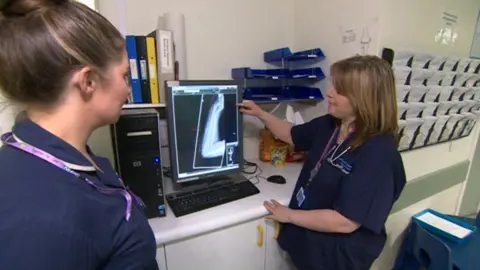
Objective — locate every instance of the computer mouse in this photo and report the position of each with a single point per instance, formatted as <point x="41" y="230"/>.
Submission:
<point x="277" y="179"/>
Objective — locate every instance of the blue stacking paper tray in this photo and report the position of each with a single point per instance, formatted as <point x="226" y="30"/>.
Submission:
<point x="285" y="54"/>
<point x="311" y="73"/>
<point x="265" y="94"/>
<point x="304" y="93"/>
<point x="249" y="73"/>
<point x="442" y="233"/>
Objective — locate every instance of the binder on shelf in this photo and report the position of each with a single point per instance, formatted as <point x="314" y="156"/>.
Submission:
<point x="165" y="56"/>
<point x="285" y="54"/>
<point x="136" y="93"/>
<point x="141" y="42"/>
<point x="152" y="69"/>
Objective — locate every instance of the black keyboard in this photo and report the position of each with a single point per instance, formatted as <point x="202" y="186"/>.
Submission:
<point x="184" y="203"/>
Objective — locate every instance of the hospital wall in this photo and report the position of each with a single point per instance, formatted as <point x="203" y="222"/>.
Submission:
<point x="437" y="174"/>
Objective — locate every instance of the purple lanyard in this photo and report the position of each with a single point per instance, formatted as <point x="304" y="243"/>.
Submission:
<point x="326" y="151"/>
<point x="8" y="139"/>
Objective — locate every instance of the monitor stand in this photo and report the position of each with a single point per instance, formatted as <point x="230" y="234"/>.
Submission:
<point x="207" y="182"/>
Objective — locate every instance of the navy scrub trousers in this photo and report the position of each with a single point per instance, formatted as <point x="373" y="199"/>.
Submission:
<point x="52" y="220"/>
<point x="365" y="195"/>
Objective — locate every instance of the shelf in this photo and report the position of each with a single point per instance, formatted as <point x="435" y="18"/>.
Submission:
<point x="275" y="74"/>
<point x="277" y="94"/>
<point x="286" y="55"/>
<point x="309" y="73"/>
<point x="249" y="73"/>
<point x="143" y="105"/>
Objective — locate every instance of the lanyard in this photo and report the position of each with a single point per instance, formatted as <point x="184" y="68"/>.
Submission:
<point x="326" y="153"/>
<point x="8" y="139"/>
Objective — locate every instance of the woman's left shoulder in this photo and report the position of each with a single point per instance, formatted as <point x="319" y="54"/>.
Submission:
<point x="383" y="146"/>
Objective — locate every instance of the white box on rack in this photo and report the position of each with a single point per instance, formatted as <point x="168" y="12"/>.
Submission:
<point x="436" y="78"/>
<point x="445" y="93"/>
<point x="408" y="131"/>
<point x="402" y="74"/>
<point x="450" y="126"/>
<point x="420" y="59"/>
<point x="458" y="92"/>
<point x="471" y="121"/>
<point x="425" y="129"/>
<point x="432" y="93"/>
<point x="417" y="92"/>
<point x="461" y="79"/>
<point x="449" y="78"/>
<point x="402" y="57"/>
<point x="437" y="62"/>
<point x="402" y="108"/>
<point x="474" y="65"/>
<point x="450" y="63"/>
<point x="437" y="129"/>
<point x="415" y="109"/>
<point x="469" y="94"/>
<point x="402" y="92"/>
<point x="463" y="65"/>
<point x="430" y="108"/>
<point x="443" y="108"/>
<point x="420" y="76"/>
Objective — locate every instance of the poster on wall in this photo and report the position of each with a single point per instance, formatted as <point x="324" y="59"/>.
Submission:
<point x="447" y="33"/>
<point x="475" y="49"/>
<point x="359" y="39"/>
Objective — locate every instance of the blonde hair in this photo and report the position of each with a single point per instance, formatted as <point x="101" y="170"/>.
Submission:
<point x="369" y="84"/>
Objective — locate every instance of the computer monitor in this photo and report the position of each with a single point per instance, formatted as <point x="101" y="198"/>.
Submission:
<point x="205" y="129"/>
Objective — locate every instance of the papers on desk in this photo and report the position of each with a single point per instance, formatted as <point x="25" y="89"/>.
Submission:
<point x="444" y="225"/>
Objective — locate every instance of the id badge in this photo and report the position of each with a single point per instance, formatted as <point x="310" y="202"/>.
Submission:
<point x="300" y="197"/>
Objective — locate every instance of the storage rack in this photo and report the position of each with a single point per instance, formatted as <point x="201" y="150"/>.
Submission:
<point x="284" y="82"/>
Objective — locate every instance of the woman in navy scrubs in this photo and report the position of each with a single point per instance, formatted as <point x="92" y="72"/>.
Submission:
<point x="353" y="173"/>
<point x="61" y="206"/>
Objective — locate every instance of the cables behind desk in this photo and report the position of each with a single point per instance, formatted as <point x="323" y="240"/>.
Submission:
<point x="253" y="169"/>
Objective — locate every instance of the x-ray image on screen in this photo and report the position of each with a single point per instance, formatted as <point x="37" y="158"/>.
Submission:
<point x="210" y="141"/>
<point x="206" y="131"/>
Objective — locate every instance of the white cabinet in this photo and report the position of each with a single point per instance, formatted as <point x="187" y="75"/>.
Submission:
<point x="275" y="257"/>
<point x="161" y="259"/>
<point x="240" y="247"/>
<point x="247" y="246"/>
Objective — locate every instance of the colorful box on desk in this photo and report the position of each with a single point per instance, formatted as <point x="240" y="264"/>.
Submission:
<point x="437" y="223"/>
<point x="267" y="141"/>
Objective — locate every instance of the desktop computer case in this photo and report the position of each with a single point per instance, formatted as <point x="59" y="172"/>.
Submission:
<point x="136" y="142"/>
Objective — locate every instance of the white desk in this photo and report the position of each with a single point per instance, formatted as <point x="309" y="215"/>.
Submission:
<point x="169" y="229"/>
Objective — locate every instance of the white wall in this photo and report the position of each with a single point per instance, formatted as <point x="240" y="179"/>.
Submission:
<point x="220" y="34"/>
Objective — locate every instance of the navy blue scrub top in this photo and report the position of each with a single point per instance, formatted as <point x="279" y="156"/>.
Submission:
<point x="52" y="220"/>
<point x="365" y="195"/>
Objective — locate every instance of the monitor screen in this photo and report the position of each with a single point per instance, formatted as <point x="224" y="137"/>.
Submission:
<point x="204" y="129"/>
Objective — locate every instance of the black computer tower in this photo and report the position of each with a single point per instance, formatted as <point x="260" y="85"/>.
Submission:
<point x="136" y="144"/>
